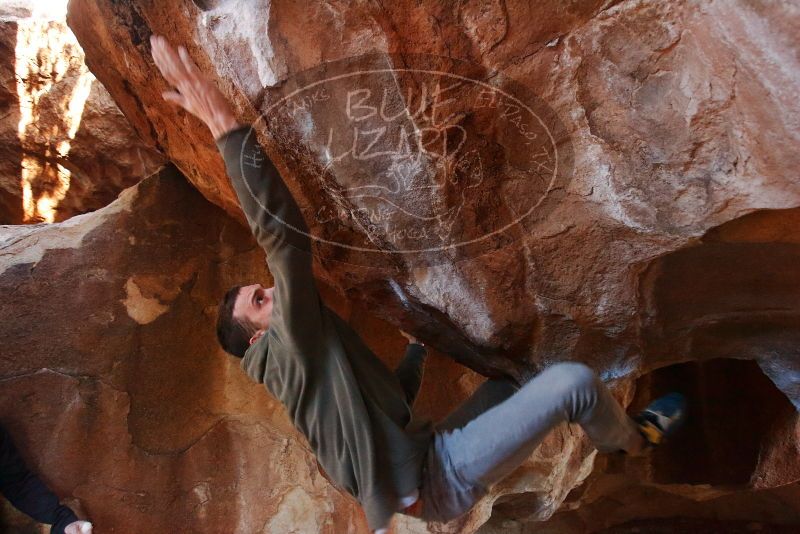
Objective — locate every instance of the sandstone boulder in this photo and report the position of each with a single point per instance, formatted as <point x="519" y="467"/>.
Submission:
<point x="115" y="389"/>
<point x="667" y="233"/>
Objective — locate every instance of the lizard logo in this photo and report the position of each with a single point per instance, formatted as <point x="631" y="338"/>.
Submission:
<point x="416" y="155"/>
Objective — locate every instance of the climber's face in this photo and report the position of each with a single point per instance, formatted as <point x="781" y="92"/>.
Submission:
<point x="253" y="307"/>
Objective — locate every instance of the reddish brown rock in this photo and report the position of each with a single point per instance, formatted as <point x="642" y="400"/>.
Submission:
<point x="665" y="134"/>
<point x="66" y="147"/>
<point x="114" y="386"/>
<point x="669" y="236"/>
<point x="116" y="390"/>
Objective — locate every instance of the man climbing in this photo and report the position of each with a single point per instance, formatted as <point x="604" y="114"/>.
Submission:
<point x="354" y="411"/>
<point x="29" y="495"/>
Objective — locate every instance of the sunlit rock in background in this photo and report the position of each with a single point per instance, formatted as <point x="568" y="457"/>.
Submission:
<point x="66" y="147"/>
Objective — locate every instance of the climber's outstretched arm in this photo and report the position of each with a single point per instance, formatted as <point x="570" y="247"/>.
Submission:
<point x="271" y="211"/>
<point x="266" y="201"/>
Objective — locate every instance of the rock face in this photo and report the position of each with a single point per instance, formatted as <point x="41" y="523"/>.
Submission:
<point x="127" y="407"/>
<point x="654" y="146"/>
<point x="676" y="120"/>
<point x="66" y="147"/>
<point x="109" y="346"/>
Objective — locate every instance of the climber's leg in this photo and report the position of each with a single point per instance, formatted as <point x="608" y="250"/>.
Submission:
<point x="488" y="395"/>
<point x="470" y="458"/>
<point x="490" y="446"/>
<point x="444" y="497"/>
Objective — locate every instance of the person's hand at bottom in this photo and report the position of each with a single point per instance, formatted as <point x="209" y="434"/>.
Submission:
<point x="78" y="527"/>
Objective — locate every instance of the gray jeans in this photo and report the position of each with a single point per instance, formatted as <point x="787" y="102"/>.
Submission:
<point x="499" y="426"/>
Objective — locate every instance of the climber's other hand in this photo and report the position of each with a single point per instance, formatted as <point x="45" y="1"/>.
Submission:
<point x="409" y="337"/>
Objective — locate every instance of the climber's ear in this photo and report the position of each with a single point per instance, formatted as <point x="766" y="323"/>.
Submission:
<point x="257" y="335"/>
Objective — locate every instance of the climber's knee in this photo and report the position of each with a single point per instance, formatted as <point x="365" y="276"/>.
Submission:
<point x="570" y="377"/>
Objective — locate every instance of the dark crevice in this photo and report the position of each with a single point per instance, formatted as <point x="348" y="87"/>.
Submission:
<point x="207" y="5"/>
<point x="733" y="410"/>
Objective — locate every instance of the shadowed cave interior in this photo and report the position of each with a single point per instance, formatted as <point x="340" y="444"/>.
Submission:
<point x="734" y="413"/>
<point x="732" y="409"/>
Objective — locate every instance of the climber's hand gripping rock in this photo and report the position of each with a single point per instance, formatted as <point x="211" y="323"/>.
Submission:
<point x="192" y="91"/>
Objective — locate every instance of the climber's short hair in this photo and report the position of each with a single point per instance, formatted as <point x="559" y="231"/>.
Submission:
<point x="232" y="334"/>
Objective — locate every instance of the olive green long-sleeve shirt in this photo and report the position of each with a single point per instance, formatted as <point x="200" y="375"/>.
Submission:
<point x="352" y="409"/>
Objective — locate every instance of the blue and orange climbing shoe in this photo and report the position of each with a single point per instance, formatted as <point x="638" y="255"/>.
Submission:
<point x="661" y="417"/>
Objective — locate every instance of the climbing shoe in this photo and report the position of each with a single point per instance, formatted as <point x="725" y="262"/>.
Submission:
<point x="661" y="417"/>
